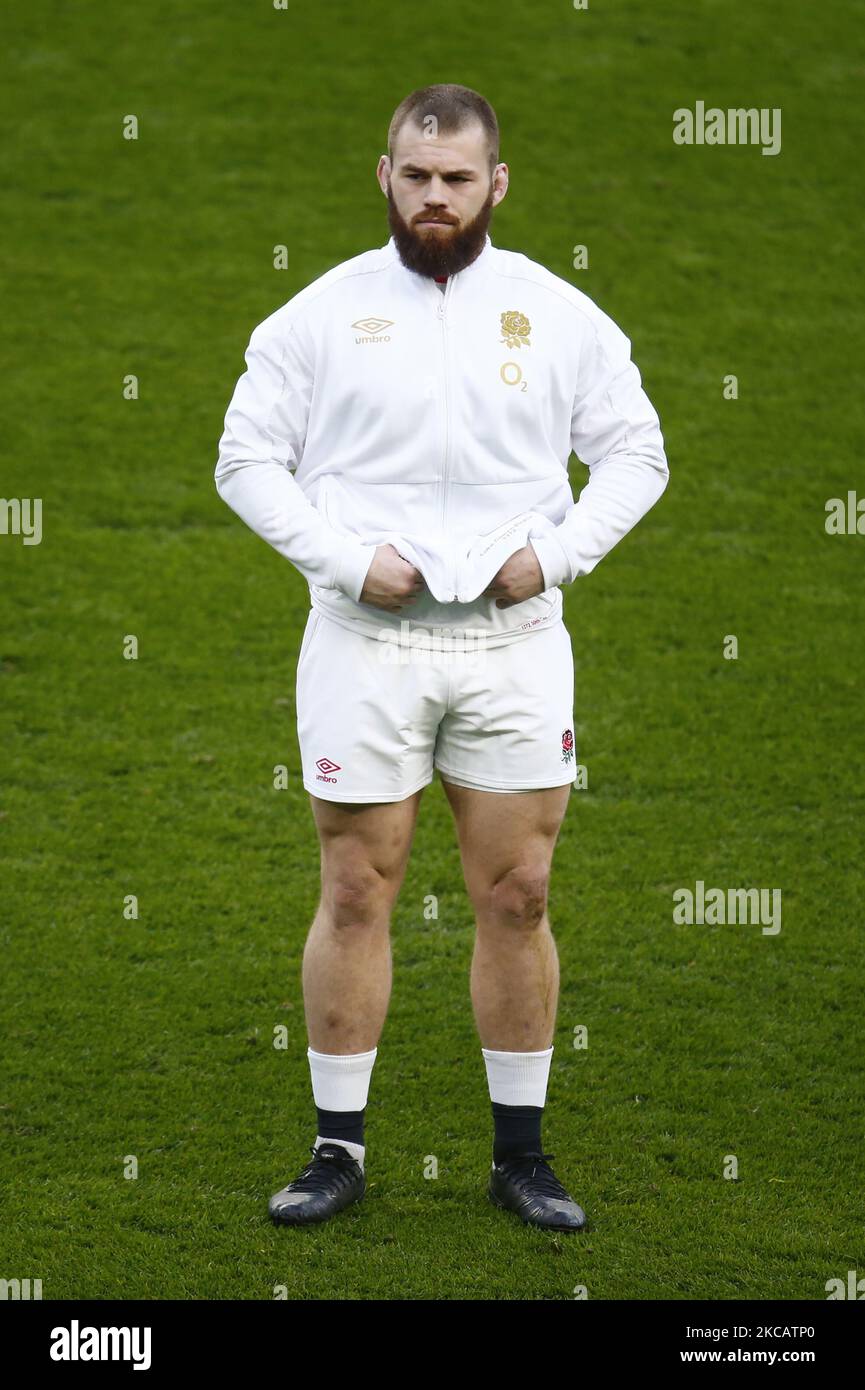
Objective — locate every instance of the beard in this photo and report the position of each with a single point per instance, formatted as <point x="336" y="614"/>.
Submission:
<point x="431" y="252"/>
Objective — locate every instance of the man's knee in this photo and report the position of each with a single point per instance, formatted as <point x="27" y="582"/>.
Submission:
<point x="357" y="895"/>
<point x="518" y="898"/>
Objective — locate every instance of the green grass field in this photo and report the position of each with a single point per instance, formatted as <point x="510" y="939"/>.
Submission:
<point x="154" y="777"/>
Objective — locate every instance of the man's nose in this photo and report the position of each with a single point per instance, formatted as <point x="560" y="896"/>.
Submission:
<point x="436" y="194"/>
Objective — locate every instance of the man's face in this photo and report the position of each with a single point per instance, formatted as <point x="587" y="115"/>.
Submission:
<point x="440" y="196"/>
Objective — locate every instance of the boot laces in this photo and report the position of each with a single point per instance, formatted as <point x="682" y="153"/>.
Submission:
<point x="535" y="1168"/>
<point x="331" y="1165"/>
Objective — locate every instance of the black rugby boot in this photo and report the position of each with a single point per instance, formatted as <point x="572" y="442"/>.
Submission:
<point x="330" y="1182"/>
<point x="527" y="1185"/>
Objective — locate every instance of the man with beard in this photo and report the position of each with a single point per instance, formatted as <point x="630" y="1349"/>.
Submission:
<point x="402" y="435"/>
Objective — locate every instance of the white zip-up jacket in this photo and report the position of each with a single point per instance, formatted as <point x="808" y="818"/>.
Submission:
<point x="375" y="407"/>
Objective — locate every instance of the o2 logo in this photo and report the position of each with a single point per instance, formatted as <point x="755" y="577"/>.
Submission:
<point x="511" y="374"/>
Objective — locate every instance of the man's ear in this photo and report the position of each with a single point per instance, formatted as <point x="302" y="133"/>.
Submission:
<point x="500" y="183"/>
<point x="383" y="173"/>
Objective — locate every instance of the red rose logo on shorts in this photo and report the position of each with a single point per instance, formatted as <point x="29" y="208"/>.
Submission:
<point x="567" y="745"/>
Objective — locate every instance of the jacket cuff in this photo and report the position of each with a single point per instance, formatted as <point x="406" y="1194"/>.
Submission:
<point x="554" y="563"/>
<point x="351" y="571"/>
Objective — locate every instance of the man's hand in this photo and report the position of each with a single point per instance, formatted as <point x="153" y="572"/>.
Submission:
<point x="519" y="578"/>
<point x="391" y="582"/>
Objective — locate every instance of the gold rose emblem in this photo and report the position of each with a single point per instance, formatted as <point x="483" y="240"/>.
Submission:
<point x="515" y="329"/>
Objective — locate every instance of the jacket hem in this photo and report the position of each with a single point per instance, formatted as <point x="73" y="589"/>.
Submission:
<point x="472" y="631"/>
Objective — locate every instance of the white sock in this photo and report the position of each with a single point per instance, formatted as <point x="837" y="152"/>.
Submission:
<point x="518" y="1078"/>
<point x="340" y="1081"/>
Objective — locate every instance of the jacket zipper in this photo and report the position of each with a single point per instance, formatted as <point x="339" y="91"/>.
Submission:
<point x="442" y="305"/>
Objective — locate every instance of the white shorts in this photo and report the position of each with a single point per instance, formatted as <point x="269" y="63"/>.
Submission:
<point x="374" y="729"/>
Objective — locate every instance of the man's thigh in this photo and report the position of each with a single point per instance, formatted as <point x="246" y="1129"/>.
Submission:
<point x="360" y="841"/>
<point x="500" y="834"/>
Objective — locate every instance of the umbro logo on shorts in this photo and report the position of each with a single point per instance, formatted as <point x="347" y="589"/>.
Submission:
<point x="325" y="767"/>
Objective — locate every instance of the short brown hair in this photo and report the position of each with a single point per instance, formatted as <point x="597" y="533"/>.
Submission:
<point x="453" y="107"/>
